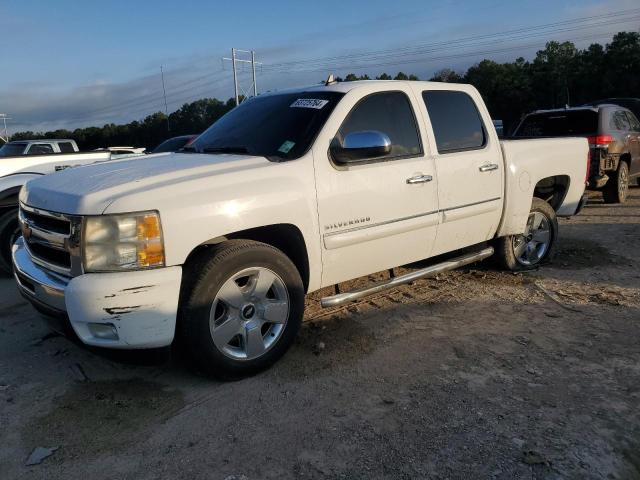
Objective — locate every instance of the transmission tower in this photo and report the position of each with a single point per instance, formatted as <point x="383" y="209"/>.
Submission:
<point x="234" y="62"/>
<point x="4" y="118"/>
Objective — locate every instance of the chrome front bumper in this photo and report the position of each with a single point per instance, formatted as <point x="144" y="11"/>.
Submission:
<point x="42" y="287"/>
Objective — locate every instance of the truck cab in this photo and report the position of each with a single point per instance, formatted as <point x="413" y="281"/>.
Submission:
<point x="38" y="147"/>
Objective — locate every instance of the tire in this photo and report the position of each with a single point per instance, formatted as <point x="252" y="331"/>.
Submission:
<point x="9" y="232"/>
<point x="531" y="249"/>
<point x="231" y="293"/>
<point x="617" y="188"/>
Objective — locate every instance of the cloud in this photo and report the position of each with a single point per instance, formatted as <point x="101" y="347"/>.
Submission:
<point x="41" y="106"/>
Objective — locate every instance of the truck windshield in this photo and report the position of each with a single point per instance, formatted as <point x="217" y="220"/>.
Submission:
<point x="11" y="149"/>
<point x="569" y="123"/>
<point x="279" y="127"/>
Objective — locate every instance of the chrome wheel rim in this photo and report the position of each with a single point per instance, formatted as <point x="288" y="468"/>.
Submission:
<point x="623" y="182"/>
<point x="531" y="247"/>
<point x="249" y="313"/>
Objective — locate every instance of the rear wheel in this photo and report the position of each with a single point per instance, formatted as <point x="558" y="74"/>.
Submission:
<point x="536" y="245"/>
<point x="617" y="188"/>
<point x="9" y="233"/>
<point x="242" y="309"/>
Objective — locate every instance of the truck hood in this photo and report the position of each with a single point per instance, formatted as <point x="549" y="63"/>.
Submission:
<point x="90" y="189"/>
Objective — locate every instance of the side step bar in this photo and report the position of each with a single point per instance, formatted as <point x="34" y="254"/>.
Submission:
<point x="342" y="298"/>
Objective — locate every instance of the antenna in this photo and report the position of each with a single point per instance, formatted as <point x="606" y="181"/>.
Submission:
<point x="330" y="80"/>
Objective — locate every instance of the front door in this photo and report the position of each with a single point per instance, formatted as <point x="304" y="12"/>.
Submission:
<point x="382" y="212"/>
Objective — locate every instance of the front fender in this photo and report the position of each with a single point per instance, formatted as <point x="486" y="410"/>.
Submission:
<point x="199" y="210"/>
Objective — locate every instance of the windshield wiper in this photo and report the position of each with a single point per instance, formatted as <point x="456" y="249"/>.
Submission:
<point x="188" y="149"/>
<point x="228" y="149"/>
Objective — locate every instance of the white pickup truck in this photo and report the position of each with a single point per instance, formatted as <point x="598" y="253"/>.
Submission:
<point x="16" y="170"/>
<point x="287" y="193"/>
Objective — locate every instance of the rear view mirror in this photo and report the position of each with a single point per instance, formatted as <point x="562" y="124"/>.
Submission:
<point x="358" y="146"/>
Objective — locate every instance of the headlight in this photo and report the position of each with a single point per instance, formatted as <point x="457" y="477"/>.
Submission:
<point x="131" y="241"/>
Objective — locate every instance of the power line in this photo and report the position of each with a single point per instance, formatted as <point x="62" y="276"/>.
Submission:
<point x="401" y="55"/>
<point x="474" y="38"/>
<point x="442" y="57"/>
<point x="411" y="51"/>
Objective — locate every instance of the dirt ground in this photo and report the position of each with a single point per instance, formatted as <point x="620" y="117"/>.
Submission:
<point x="475" y="374"/>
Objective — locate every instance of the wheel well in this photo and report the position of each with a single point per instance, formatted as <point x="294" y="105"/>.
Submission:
<point x="552" y="190"/>
<point x="285" y="237"/>
<point x="626" y="157"/>
<point x="9" y="198"/>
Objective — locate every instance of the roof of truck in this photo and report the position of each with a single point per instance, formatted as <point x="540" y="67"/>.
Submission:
<point x="345" y="87"/>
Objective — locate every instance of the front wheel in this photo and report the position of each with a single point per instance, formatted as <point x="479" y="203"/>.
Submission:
<point x="9" y="233"/>
<point x="241" y="309"/>
<point x="536" y="245"/>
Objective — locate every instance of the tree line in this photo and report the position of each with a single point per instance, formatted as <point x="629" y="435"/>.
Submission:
<point x="559" y="75"/>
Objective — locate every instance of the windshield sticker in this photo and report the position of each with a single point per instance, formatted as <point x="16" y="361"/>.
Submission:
<point x="309" y="103"/>
<point x="286" y="147"/>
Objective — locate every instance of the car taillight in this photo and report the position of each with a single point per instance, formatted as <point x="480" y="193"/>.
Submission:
<point x="600" y="140"/>
<point x="586" y="178"/>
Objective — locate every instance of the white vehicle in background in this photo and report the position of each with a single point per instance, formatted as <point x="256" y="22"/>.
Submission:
<point x="38" y="147"/>
<point x="288" y="193"/>
<point x="15" y="171"/>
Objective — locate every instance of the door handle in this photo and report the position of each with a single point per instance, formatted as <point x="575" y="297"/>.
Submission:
<point x="419" y="179"/>
<point x="488" y="167"/>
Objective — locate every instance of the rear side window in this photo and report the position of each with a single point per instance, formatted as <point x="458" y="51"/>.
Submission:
<point x="619" y="121"/>
<point x="569" y="123"/>
<point x="633" y="121"/>
<point x="66" y="147"/>
<point x="455" y="120"/>
<point x="40" y="149"/>
<point x="389" y="113"/>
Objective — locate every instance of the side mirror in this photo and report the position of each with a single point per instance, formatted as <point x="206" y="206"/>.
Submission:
<point x="358" y="146"/>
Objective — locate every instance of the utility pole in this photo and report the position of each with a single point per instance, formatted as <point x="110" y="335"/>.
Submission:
<point x="164" y="92"/>
<point x="4" y="118"/>
<point x="253" y="69"/>
<point x="234" y="62"/>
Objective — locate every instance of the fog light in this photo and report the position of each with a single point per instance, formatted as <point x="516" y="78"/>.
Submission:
<point x="105" y="331"/>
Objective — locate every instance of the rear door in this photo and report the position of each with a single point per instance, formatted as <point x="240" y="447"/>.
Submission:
<point x="469" y="165"/>
<point x="382" y="212"/>
<point x="634" y="143"/>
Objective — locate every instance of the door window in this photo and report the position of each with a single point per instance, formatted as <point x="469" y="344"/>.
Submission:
<point x="40" y="149"/>
<point x="391" y="114"/>
<point x="633" y="121"/>
<point x="619" y="121"/>
<point x="455" y="120"/>
<point x="66" y="147"/>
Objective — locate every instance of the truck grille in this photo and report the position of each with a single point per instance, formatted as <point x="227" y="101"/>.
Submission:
<point x="52" y="239"/>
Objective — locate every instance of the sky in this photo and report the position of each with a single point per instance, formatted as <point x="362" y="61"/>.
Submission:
<point x="73" y="63"/>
